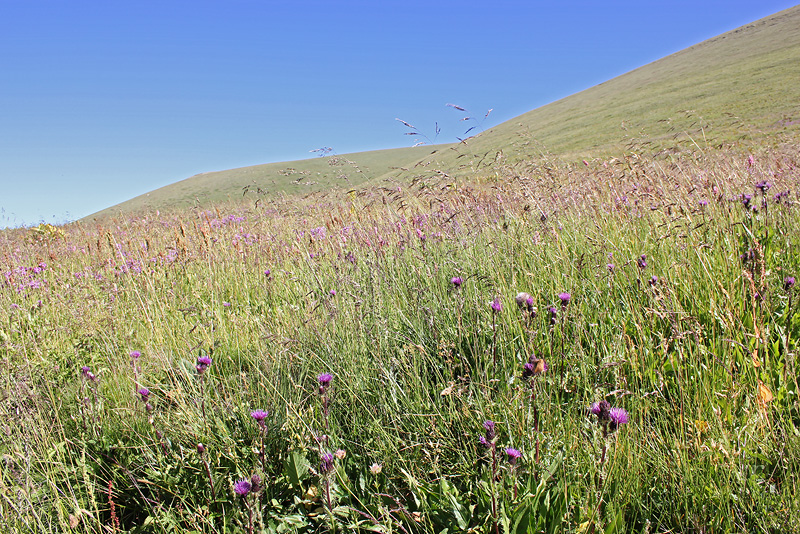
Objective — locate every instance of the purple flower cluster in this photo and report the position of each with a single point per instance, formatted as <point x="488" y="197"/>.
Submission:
<point x="457" y="281"/>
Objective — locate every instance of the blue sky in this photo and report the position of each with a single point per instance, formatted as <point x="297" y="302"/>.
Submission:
<point x="102" y="101"/>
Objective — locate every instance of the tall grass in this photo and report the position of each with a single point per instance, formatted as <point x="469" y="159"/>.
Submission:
<point x="680" y="311"/>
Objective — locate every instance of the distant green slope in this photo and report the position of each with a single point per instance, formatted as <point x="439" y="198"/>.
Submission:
<point x="290" y="177"/>
<point x="742" y="83"/>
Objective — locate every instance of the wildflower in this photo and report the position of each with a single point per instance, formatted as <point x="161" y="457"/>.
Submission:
<point x="642" y="261"/>
<point x="746" y="200"/>
<point x="703" y="202"/>
<point x="497" y="305"/>
<point x="617" y="416"/>
<point x="135" y="354"/>
<point x="553" y="315"/>
<point x="376" y="468"/>
<point x="601" y="410"/>
<point x="326" y="463"/>
<point x="610" y="267"/>
<point x="332" y="292"/>
<point x="456" y="281"/>
<point x="87" y="374"/>
<point x="564" y="297"/>
<point x="340" y="454"/>
<point x="513" y="455"/>
<point x="522" y="299"/>
<point x="788" y="283"/>
<point x="203" y="362"/>
<point x="201" y="448"/>
<point x="226" y="304"/>
<point x="750" y="160"/>
<point x="259" y="416"/>
<point x="324" y="381"/>
<point x="268" y="273"/>
<point x="255" y="482"/>
<point x="653" y="280"/>
<point x="487" y="440"/>
<point x="145" y="393"/>
<point x="242" y="487"/>
<point x="763" y="186"/>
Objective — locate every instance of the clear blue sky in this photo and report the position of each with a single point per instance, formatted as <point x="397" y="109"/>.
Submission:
<point x="105" y="100"/>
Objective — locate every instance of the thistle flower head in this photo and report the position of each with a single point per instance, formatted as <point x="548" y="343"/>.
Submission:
<point x="326" y="463"/>
<point x="324" y="381"/>
<point x="456" y="281"/>
<point x="522" y="299"/>
<point x="601" y="410"/>
<point x="242" y="487"/>
<point x="513" y="455"/>
<point x="135" y="354"/>
<point x="487" y="440"/>
<point x="564" y="298"/>
<point x="203" y="362"/>
<point x="618" y="417"/>
<point x="145" y="393"/>
<point x="259" y="416"/>
<point x="496" y="305"/>
<point x="788" y="283"/>
<point x="642" y="261"/>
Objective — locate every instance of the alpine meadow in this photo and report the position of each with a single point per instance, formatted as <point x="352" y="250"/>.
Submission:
<point x="583" y="320"/>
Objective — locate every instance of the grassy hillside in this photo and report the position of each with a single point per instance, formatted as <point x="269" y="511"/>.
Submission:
<point x="739" y="85"/>
<point x="290" y="177"/>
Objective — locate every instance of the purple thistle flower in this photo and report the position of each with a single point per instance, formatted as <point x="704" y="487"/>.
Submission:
<point x="259" y="416"/>
<point x="326" y="463"/>
<point x="242" y="487"/>
<point x="135" y="354"/>
<point x="788" y="283"/>
<point x="490" y="431"/>
<point x="332" y="292"/>
<point x="642" y="261"/>
<point x="497" y="305"/>
<point x="602" y="410"/>
<point x="203" y="362"/>
<point x="456" y="281"/>
<point x="553" y="314"/>
<point x="610" y="267"/>
<point x="653" y="280"/>
<point x="145" y="393"/>
<point x="618" y="416"/>
<point x="483" y="441"/>
<point x="763" y="186"/>
<point x="564" y="297"/>
<point x="267" y="273"/>
<point x="513" y="455"/>
<point x="324" y="382"/>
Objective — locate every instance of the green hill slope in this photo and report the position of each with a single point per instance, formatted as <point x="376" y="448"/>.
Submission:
<point x="739" y="84"/>
<point x="290" y="177"/>
<point x="743" y="83"/>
